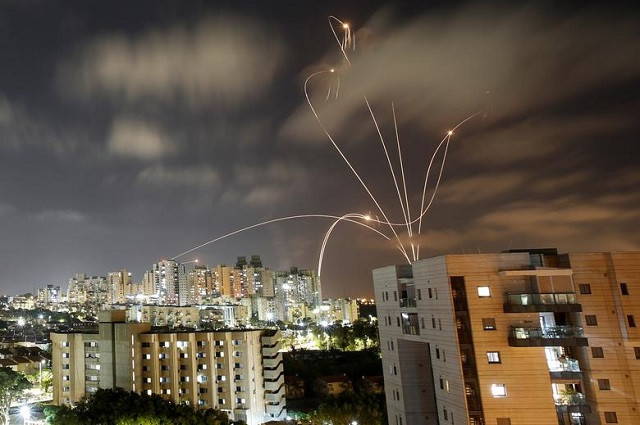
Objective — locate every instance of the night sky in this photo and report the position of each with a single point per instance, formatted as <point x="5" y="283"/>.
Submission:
<point x="132" y="131"/>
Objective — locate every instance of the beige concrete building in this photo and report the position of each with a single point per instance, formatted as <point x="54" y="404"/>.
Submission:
<point x="237" y="371"/>
<point x="524" y="337"/>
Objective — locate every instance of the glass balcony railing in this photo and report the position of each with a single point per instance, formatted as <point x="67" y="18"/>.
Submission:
<point x="564" y="365"/>
<point x="408" y="302"/>
<point x="567" y="336"/>
<point x="572" y="399"/>
<point x="548" y="332"/>
<point x="541" y="302"/>
<point x="541" y="299"/>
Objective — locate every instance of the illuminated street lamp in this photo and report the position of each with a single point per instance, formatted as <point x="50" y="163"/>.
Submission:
<point x="25" y="412"/>
<point x="40" y="372"/>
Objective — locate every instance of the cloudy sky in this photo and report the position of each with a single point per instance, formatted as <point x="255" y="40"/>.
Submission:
<point x="133" y="131"/>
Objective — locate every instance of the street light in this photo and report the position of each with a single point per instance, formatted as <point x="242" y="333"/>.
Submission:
<point x="40" y="372"/>
<point x="25" y="412"/>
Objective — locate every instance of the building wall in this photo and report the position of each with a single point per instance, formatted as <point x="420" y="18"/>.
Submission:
<point x="240" y="372"/>
<point x="604" y="272"/>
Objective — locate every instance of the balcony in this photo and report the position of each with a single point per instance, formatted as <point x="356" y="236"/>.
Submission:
<point x="571" y="403"/>
<point x="545" y="302"/>
<point x="552" y="336"/>
<point x="410" y="324"/>
<point x="565" y="370"/>
<point x="408" y="302"/>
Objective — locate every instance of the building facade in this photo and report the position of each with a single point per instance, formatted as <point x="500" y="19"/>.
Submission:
<point x="170" y="282"/>
<point x="237" y="371"/>
<point x="521" y="337"/>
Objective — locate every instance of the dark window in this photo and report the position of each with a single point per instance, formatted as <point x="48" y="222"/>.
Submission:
<point x="422" y="322"/>
<point x="398" y="320"/>
<point x="445" y="414"/>
<point x="597" y="352"/>
<point x="591" y="320"/>
<point x="395" y="296"/>
<point x="610" y="417"/>
<point x="430" y="293"/>
<point x="489" y="324"/>
<point x="636" y="350"/>
<point x="441" y="384"/>
<point x="623" y="289"/>
<point x="419" y="294"/>
<point x="503" y="421"/>
<point x="183" y="367"/>
<point x="604" y="384"/>
<point x="433" y="322"/>
<point x="146" y="345"/>
<point x="585" y="288"/>
<point x="437" y="353"/>
<point x="631" y="320"/>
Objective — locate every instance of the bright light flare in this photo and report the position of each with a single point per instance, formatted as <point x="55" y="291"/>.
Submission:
<point x="450" y="132"/>
<point x="25" y="412"/>
<point x="345" y="26"/>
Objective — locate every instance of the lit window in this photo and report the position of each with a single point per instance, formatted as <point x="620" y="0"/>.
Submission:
<point x="498" y="390"/>
<point x="484" y="291"/>
<point x="493" y="356"/>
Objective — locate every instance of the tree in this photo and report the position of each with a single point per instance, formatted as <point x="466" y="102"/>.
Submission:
<point x="12" y="385"/>
<point x="120" y="407"/>
<point x="348" y="407"/>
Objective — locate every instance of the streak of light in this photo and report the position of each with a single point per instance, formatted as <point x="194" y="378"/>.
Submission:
<point x="404" y="181"/>
<point x="386" y="153"/>
<point x="335" y="145"/>
<point x="264" y="223"/>
<point x="365" y="217"/>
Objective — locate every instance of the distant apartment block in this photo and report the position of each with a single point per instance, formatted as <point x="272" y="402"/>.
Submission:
<point x="84" y="289"/>
<point x="521" y="337"/>
<point x="49" y="295"/>
<point x="237" y="371"/>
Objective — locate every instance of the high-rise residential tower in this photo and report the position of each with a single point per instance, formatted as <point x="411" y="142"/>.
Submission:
<point x="521" y="337"/>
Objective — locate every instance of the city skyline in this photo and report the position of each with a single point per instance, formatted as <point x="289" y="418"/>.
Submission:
<point x="130" y="137"/>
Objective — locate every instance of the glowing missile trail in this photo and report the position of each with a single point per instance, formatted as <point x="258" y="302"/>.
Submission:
<point x="326" y="132"/>
<point x="264" y="223"/>
<point x="348" y="39"/>
<point x="386" y="153"/>
<point x="328" y="233"/>
<point x="404" y="181"/>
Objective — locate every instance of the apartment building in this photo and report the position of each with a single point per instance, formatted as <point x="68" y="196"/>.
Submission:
<point x="521" y="337"/>
<point x="237" y="371"/>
